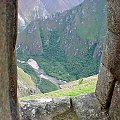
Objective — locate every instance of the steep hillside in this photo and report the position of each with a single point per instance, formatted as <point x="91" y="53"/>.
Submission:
<point x="66" y="45"/>
<point x="26" y="86"/>
<point x="44" y="82"/>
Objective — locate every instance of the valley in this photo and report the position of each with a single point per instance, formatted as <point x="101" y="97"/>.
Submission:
<point x="66" y="44"/>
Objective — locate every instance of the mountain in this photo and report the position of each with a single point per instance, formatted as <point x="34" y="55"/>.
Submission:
<point x="30" y="10"/>
<point x="67" y="45"/>
<point x="54" y="6"/>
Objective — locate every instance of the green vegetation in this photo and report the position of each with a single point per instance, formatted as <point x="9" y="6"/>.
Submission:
<point x="54" y="62"/>
<point x="54" y="68"/>
<point x="27" y="69"/>
<point x="92" y="27"/>
<point x="25" y="78"/>
<point x="81" y="29"/>
<point x="26" y="86"/>
<point x="83" y="66"/>
<point x="46" y="86"/>
<point x="70" y="89"/>
<point x="62" y="68"/>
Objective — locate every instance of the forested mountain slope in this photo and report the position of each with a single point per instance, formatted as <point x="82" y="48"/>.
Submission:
<point x="67" y="45"/>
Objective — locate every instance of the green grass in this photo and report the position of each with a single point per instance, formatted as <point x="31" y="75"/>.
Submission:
<point x="26" y="86"/>
<point x="24" y="78"/>
<point x="75" y="88"/>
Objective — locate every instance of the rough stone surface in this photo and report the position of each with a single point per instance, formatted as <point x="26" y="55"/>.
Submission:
<point x="110" y="66"/>
<point x="87" y="107"/>
<point x="108" y="86"/>
<point x="115" y="103"/>
<point x="8" y="72"/>
<point x="106" y="77"/>
<point x="114" y="16"/>
<point x="84" y="107"/>
<point x="37" y="110"/>
<point x="68" y="115"/>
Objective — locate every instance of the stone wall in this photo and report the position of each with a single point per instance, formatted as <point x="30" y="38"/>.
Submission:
<point x="108" y="85"/>
<point x="48" y="109"/>
<point x="8" y="72"/>
<point x="84" y="107"/>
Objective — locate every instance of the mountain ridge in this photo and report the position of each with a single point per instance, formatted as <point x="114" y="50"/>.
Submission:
<point x="35" y="9"/>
